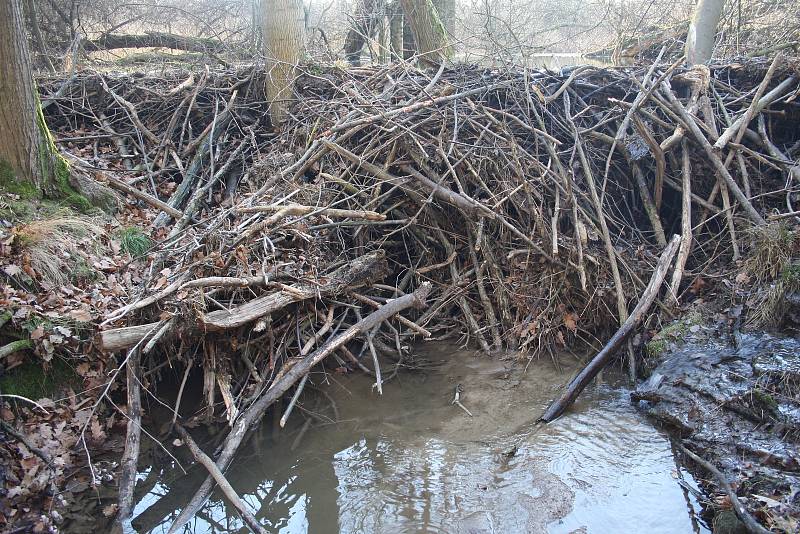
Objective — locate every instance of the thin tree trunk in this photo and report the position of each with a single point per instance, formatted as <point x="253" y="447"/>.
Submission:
<point x="365" y="23"/>
<point x="430" y="35"/>
<point x="284" y="43"/>
<point x="25" y="144"/>
<point x="396" y="29"/>
<point x="703" y="31"/>
<point x="36" y="33"/>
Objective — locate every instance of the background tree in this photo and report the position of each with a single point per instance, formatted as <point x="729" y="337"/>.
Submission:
<point x="703" y="31"/>
<point x="430" y="35"/>
<point x="284" y="44"/>
<point x="28" y="157"/>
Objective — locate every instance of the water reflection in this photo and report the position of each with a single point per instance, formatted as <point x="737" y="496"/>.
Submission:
<point x="411" y="462"/>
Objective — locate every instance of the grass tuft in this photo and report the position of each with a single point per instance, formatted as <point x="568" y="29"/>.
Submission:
<point x="52" y="246"/>
<point x="134" y="242"/>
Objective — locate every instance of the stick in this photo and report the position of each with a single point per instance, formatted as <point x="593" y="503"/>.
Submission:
<point x="713" y="157"/>
<point x="297" y="209"/>
<point x="255" y="412"/>
<point x="755" y="108"/>
<point x="577" y="385"/>
<point x="686" y="222"/>
<point x="749" y="522"/>
<point x="133" y="438"/>
<point x="223" y="483"/>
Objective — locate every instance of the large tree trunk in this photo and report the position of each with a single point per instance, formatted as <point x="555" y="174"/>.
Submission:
<point x="703" y="31"/>
<point x="446" y="9"/>
<point x="26" y="148"/>
<point x="430" y="35"/>
<point x="284" y="43"/>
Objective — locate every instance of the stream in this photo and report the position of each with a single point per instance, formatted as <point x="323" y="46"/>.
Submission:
<point x="410" y="461"/>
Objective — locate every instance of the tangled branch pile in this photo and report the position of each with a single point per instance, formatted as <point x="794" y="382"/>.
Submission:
<point x="528" y="207"/>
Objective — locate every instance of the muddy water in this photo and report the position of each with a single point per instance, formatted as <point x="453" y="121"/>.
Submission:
<point x="410" y="461"/>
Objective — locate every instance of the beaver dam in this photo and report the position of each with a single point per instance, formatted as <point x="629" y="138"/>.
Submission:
<point x="279" y="311"/>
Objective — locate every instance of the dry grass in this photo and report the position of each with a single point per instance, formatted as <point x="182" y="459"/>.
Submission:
<point x="773" y="272"/>
<point x="773" y="247"/>
<point x="57" y="247"/>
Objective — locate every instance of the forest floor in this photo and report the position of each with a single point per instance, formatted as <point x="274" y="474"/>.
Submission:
<point x="529" y="207"/>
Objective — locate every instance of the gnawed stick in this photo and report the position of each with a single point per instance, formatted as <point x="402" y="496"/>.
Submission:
<point x="297" y="209"/>
<point x="686" y="222"/>
<point x="749" y="522"/>
<point x="577" y="384"/>
<point x="280" y="386"/>
<point x="133" y="438"/>
<point x="220" y="479"/>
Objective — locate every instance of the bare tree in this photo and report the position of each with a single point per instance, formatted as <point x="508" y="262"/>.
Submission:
<point x="703" y="31"/>
<point x="284" y="40"/>
<point x="26" y="149"/>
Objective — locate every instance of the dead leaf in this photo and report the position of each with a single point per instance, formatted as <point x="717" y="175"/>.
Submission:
<point x="571" y="322"/>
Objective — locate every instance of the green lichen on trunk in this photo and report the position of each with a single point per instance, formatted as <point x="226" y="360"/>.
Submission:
<point x="54" y="168"/>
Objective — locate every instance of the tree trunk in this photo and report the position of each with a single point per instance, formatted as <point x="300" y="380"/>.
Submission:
<point x="29" y="162"/>
<point x="430" y="35"/>
<point x="409" y="45"/>
<point x="446" y="9"/>
<point x="396" y="29"/>
<point x="36" y="33"/>
<point x="703" y="31"/>
<point x="365" y="23"/>
<point x="284" y="43"/>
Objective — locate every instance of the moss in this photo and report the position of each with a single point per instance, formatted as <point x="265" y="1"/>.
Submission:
<point x="10" y="184"/>
<point x="33" y="381"/>
<point x="53" y="164"/>
<point x="763" y="400"/>
<point x="655" y="347"/>
<point x="791" y="274"/>
<point x="674" y="331"/>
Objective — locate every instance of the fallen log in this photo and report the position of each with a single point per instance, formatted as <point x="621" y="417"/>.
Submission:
<point x="153" y="40"/>
<point x="278" y="388"/>
<point x="361" y="271"/>
<point x="133" y="439"/>
<point x="577" y="385"/>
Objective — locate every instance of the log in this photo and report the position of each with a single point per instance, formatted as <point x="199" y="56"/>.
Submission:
<point x="577" y="384"/>
<point x="362" y="271"/>
<point x="154" y="40"/>
<point x="133" y="438"/>
<point x="278" y="388"/>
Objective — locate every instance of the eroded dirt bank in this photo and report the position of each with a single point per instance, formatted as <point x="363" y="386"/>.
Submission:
<point x="736" y="405"/>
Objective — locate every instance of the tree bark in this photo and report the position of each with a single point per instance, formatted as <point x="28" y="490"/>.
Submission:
<point x="284" y="44"/>
<point x="430" y="35"/>
<point x="26" y="148"/>
<point x="446" y="9"/>
<point x="396" y="29"/>
<point x="703" y="31"/>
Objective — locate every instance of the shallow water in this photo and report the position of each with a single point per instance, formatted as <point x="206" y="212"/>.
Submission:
<point x="410" y="461"/>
